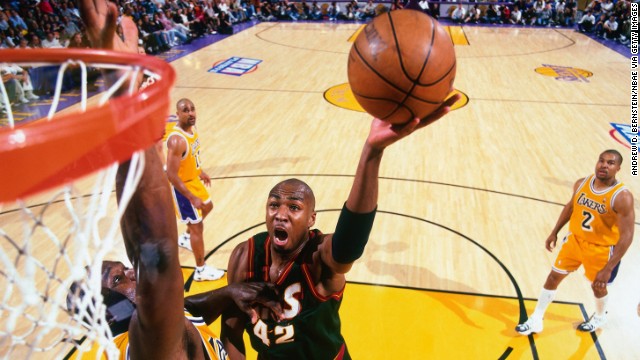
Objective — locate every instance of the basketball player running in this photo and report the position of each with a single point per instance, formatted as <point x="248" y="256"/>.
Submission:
<point x="601" y="224"/>
<point x="190" y="197"/>
<point x="308" y="267"/>
<point x="147" y="301"/>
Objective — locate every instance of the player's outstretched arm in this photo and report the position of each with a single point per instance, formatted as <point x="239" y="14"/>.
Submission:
<point x="148" y="224"/>
<point x="245" y="296"/>
<point x="356" y="219"/>
<point x="150" y="236"/>
<point x="100" y="20"/>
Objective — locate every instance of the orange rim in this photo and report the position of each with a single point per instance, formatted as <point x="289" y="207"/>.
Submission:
<point x="44" y="154"/>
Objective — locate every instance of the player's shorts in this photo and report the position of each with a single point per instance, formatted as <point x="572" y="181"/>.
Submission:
<point x="185" y="211"/>
<point x="575" y="252"/>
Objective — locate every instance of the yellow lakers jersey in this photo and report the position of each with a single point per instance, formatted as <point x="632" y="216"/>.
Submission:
<point x="210" y="341"/>
<point x="593" y="219"/>
<point x="211" y="344"/>
<point x="190" y="162"/>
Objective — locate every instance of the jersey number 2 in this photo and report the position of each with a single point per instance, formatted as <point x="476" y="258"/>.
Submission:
<point x="586" y="223"/>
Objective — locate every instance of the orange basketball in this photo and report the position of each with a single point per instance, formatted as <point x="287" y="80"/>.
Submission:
<point x="401" y="66"/>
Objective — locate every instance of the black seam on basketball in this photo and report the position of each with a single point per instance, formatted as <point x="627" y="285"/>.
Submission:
<point x="391" y="113"/>
<point x="399" y="103"/>
<point x="424" y="64"/>
<point x="442" y="77"/>
<point x="409" y="93"/>
<point x="400" y="106"/>
<point x="404" y="70"/>
<point x="364" y="61"/>
<point x="379" y="99"/>
<point x="395" y="40"/>
<point x="426" y="60"/>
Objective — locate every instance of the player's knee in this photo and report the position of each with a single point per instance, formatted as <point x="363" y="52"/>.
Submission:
<point x="196" y="228"/>
<point x="207" y="209"/>
<point x="599" y="292"/>
<point x="553" y="280"/>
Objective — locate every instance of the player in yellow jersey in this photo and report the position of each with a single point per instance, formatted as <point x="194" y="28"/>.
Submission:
<point x="146" y="303"/>
<point x="601" y="224"/>
<point x="190" y="197"/>
<point x="119" y="291"/>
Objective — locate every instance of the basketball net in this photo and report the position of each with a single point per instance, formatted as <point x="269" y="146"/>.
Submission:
<point x="55" y="233"/>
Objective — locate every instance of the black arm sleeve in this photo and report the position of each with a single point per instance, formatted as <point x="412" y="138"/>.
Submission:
<point x="351" y="235"/>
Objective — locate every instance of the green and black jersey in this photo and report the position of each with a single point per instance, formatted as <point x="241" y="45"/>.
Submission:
<point x="311" y="328"/>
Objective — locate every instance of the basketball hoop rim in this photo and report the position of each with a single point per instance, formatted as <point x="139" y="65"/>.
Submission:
<point x="86" y="55"/>
<point x="79" y="143"/>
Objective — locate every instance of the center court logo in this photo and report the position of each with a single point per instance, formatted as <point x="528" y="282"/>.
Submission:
<point x="342" y="96"/>
<point x="236" y="66"/>
<point x="564" y="73"/>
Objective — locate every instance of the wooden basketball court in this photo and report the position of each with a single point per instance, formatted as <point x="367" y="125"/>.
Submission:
<point x="457" y="251"/>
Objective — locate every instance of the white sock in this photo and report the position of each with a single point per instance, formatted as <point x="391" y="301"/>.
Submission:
<point x="601" y="305"/>
<point x="200" y="268"/>
<point x="545" y="298"/>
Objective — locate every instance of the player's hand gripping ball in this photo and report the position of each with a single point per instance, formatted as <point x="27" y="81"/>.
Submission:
<point x="402" y="66"/>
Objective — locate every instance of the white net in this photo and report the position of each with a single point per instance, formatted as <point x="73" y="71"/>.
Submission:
<point x="47" y="248"/>
<point x="52" y="244"/>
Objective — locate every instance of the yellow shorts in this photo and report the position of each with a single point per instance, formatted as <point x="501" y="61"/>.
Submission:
<point x="575" y="252"/>
<point x="185" y="211"/>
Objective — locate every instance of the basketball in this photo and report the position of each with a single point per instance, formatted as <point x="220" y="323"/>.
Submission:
<point x="401" y="66"/>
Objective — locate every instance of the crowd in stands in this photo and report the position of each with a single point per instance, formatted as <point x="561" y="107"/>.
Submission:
<point x="163" y="24"/>
<point x="608" y="19"/>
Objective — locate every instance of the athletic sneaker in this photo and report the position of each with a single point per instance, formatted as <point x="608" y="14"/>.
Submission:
<point x="30" y="95"/>
<point x="530" y="326"/>
<point x="594" y="323"/>
<point x="184" y="241"/>
<point x="207" y="274"/>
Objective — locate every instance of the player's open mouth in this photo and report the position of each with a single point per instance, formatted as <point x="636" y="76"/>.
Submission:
<point x="280" y="236"/>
